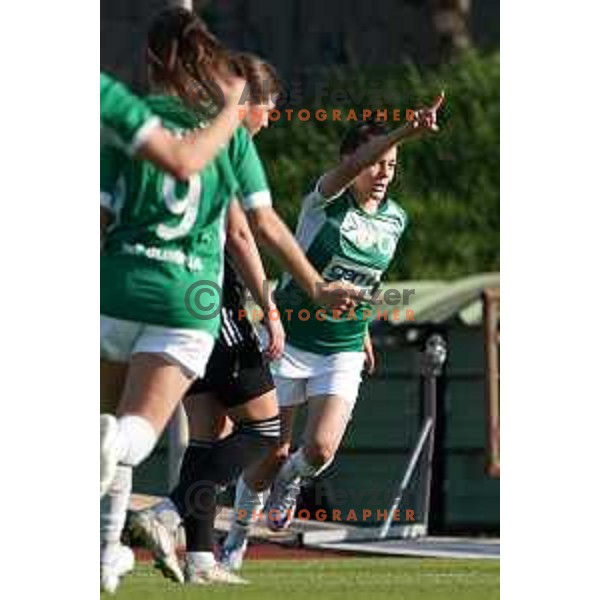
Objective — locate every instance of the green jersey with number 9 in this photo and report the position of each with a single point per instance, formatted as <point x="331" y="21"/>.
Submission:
<point x="167" y="237"/>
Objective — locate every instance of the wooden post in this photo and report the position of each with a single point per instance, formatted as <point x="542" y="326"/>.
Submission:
<point x="491" y="329"/>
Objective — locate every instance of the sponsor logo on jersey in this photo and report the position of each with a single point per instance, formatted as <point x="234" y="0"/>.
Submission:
<point x="342" y="269"/>
<point x="366" y="234"/>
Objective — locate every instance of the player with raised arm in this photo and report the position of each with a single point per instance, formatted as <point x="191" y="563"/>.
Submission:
<point x="349" y="229"/>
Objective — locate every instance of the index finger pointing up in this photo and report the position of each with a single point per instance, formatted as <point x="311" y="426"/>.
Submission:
<point x="439" y="101"/>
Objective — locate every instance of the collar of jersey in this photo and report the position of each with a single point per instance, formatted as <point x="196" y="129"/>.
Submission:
<point x="380" y="207"/>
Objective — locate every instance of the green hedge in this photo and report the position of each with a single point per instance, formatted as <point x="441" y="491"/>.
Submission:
<point x="449" y="184"/>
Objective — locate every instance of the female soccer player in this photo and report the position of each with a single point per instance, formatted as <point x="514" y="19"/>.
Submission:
<point x="164" y="237"/>
<point x="349" y="229"/>
<point x="238" y="383"/>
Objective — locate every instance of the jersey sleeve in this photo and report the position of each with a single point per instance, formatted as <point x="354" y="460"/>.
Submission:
<point x="111" y="166"/>
<point x="249" y="172"/>
<point x="125" y="119"/>
<point x="229" y="183"/>
<point x="315" y="198"/>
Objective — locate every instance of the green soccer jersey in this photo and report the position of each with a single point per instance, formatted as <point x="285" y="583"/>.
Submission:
<point x="125" y="120"/>
<point x="166" y="235"/>
<point x="344" y="243"/>
<point x="249" y="172"/>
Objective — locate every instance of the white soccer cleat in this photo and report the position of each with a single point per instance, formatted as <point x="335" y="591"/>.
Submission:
<point x="281" y="505"/>
<point x="115" y="562"/>
<point x="166" y="512"/>
<point x="156" y="537"/>
<point x="216" y="574"/>
<point x="232" y="555"/>
<point x="108" y="451"/>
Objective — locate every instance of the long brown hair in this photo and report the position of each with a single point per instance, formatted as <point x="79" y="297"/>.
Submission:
<point x="184" y="55"/>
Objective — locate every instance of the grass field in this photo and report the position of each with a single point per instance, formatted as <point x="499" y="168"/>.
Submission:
<point x="355" y="578"/>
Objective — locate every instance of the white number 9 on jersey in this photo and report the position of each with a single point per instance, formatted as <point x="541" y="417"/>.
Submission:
<point x="186" y="206"/>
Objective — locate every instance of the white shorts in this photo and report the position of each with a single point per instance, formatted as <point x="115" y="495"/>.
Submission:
<point x="300" y="375"/>
<point x="188" y="348"/>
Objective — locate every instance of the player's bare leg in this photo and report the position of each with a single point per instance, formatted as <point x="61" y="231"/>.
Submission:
<point x="255" y="433"/>
<point x="327" y="419"/>
<point x="157" y="527"/>
<point x="206" y="464"/>
<point x="252" y="490"/>
<point x="115" y="560"/>
<point x="152" y="389"/>
<point x="112" y="382"/>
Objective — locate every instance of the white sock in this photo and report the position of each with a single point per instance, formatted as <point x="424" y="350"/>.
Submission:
<point x="237" y="535"/>
<point x="296" y="468"/>
<point x="248" y="504"/>
<point x="201" y="560"/>
<point x="321" y="469"/>
<point x="136" y="439"/>
<point x="113" y="509"/>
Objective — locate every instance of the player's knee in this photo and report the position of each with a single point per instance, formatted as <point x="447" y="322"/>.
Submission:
<point x="319" y="452"/>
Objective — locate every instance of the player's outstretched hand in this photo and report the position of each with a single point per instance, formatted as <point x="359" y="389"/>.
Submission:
<point x="343" y="296"/>
<point x="335" y="295"/>
<point x="276" y="334"/>
<point x="425" y="119"/>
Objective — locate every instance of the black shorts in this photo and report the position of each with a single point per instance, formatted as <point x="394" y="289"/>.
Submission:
<point x="238" y="372"/>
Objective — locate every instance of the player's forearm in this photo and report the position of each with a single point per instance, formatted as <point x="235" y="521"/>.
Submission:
<point x="273" y="233"/>
<point x="242" y="248"/>
<point x="252" y="272"/>
<point x="182" y="157"/>
<point x="347" y="171"/>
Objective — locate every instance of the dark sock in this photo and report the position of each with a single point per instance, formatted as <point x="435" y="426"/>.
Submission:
<point x="199" y="523"/>
<point x="247" y="444"/>
<point x="228" y="457"/>
<point x="190" y="472"/>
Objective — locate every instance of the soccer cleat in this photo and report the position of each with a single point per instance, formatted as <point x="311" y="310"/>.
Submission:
<point x="108" y="451"/>
<point x="156" y="537"/>
<point x="232" y="555"/>
<point x="114" y="563"/>
<point x="166" y="512"/>
<point x="215" y="574"/>
<point x="281" y="505"/>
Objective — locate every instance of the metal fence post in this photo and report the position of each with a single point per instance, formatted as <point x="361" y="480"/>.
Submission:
<point x="431" y="362"/>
